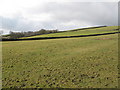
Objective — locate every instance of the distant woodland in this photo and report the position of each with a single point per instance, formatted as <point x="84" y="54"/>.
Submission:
<point x="15" y="35"/>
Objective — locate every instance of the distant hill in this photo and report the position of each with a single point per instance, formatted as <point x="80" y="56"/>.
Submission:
<point x="81" y="31"/>
<point x="102" y="30"/>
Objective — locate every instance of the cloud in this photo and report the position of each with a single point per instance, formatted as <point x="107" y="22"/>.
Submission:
<point x="37" y="14"/>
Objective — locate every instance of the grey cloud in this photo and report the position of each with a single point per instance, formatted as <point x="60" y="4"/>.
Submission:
<point x="16" y="24"/>
<point x="94" y="13"/>
<point x="79" y="13"/>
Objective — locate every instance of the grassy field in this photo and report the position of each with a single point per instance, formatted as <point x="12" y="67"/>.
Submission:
<point x="68" y="63"/>
<point x="79" y="32"/>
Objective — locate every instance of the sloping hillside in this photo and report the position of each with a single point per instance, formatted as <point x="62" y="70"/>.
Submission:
<point x="77" y="32"/>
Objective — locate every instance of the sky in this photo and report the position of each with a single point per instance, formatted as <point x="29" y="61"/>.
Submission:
<point x="33" y="15"/>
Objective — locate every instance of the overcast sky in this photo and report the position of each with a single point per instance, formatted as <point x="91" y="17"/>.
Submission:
<point x="32" y="15"/>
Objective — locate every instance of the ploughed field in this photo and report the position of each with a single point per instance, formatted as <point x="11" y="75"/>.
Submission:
<point x="67" y="63"/>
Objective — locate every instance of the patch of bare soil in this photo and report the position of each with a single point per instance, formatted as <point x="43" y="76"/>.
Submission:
<point x="104" y="38"/>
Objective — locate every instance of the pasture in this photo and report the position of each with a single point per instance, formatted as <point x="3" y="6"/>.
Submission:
<point x="85" y="62"/>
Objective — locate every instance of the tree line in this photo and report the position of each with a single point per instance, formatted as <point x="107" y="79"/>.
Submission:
<point x="16" y="35"/>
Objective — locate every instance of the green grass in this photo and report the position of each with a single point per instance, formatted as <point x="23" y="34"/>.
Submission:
<point x="105" y="28"/>
<point x="79" y="32"/>
<point x="68" y="63"/>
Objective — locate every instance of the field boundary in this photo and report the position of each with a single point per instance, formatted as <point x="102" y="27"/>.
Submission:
<point x="41" y="38"/>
